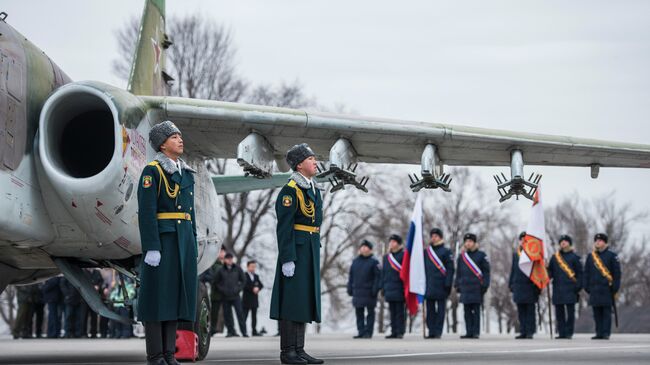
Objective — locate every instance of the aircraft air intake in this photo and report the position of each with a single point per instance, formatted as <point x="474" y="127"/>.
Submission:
<point x="91" y="154"/>
<point x="80" y="138"/>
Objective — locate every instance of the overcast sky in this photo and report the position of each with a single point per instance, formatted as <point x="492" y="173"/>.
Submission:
<point x="578" y="68"/>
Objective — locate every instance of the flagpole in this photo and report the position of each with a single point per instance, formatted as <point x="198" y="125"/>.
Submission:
<point x="550" y="316"/>
<point x="548" y="300"/>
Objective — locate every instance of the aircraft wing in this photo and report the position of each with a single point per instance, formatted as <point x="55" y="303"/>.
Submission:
<point x="215" y="129"/>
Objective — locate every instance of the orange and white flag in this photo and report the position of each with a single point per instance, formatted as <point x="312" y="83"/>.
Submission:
<point x="531" y="261"/>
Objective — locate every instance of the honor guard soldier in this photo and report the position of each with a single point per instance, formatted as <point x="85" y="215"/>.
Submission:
<point x="296" y="297"/>
<point x="168" y="273"/>
<point x="565" y="269"/>
<point x="525" y="294"/>
<point x="393" y="287"/>
<point x="602" y="280"/>
<point x="472" y="281"/>
<point x="439" y="268"/>
<point x="364" y="282"/>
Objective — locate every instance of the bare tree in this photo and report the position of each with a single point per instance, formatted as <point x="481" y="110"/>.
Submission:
<point x="202" y="59"/>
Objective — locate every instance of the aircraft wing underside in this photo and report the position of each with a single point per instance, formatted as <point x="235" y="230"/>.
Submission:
<point x="257" y="135"/>
<point x="214" y="129"/>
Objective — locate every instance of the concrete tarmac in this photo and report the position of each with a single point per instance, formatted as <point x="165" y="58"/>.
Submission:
<point x="342" y="349"/>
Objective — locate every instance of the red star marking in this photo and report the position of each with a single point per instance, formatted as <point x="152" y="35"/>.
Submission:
<point x="156" y="52"/>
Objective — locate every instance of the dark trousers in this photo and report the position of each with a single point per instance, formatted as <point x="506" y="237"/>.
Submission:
<point x="228" y="305"/>
<point x="397" y="315"/>
<point x="526" y="313"/>
<point x="603" y="319"/>
<point x="365" y="324"/>
<point x="122" y="330"/>
<point x="92" y="318"/>
<point x="39" y="311"/>
<point x="72" y="320"/>
<point x="54" y="311"/>
<point x="472" y="319"/>
<point x="253" y="312"/>
<point x="160" y="339"/>
<point x="103" y="326"/>
<point x="214" y="315"/>
<point x="565" y="316"/>
<point x="436" y="316"/>
<point x="83" y="319"/>
<point x="23" y="320"/>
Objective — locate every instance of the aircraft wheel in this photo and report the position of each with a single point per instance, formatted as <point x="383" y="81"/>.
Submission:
<point x="201" y="325"/>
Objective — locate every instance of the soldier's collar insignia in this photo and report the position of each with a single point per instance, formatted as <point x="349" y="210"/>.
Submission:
<point x="147" y="181"/>
<point x="287" y="200"/>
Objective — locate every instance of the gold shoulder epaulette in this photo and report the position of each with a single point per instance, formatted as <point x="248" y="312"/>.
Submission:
<point x="172" y="194"/>
<point x="307" y="207"/>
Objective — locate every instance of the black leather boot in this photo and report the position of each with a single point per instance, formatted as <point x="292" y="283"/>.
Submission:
<point x="288" y="337"/>
<point x="300" y="345"/>
<point x="156" y="360"/>
<point x="169" y="342"/>
<point x="154" y="343"/>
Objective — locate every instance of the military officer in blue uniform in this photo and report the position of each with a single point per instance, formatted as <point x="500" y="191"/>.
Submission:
<point x="393" y="287"/>
<point x="364" y="282"/>
<point x="439" y="269"/>
<point x="168" y="273"/>
<point x="296" y="296"/>
<point x="472" y="281"/>
<point x="602" y="280"/>
<point x="525" y="294"/>
<point x="565" y="269"/>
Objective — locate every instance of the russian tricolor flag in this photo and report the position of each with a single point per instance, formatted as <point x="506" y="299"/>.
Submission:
<point x="412" y="273"/>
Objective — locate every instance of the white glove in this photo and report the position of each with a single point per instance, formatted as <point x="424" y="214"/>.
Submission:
<point x="288" y="268"/>
<point x="152" y="258"/>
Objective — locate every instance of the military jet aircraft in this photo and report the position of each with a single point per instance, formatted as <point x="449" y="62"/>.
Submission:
<point x="72" y="152"/>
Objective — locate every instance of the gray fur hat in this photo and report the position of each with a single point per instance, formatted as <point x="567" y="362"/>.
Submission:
<point x="298" y="154"/>
<point x="160" y="132"/>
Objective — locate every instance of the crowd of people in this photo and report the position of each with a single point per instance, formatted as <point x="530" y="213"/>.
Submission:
<point x="233" y="289"/>
<point x="56" y="309"/>
<point x="469" y="275"/>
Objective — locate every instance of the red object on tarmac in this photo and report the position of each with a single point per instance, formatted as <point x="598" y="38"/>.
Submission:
<point x="187" y="345"/>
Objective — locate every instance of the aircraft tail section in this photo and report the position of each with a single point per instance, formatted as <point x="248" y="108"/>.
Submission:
<point x="147" y="75"/>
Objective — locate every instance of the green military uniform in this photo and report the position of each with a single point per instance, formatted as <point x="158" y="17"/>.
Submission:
<point x="299" y="212"/>
<point x="167" y="224"/>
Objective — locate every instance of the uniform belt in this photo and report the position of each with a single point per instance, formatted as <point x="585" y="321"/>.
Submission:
<point x="302" y="227"/>
<point x="185" y="216"/>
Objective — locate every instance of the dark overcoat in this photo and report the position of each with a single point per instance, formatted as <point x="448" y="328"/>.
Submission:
<point x="168" y="291"/>
<point x="439" y="284"/>
<point x="391" y="283"/>
<point x="364" y="281"/>
<point x="69" y="293"/>
<point x="297" y="298"/>
<point x="600" y="292"/>
<point x="470" y="287"/>
<point x="565" y="290"/>
<point x="524" y="291"/>
<point x="230" y="281"/>
<point x="52" y="290"/>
